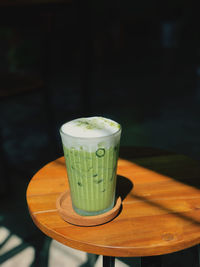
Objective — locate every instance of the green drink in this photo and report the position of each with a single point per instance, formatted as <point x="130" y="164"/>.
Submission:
<point x="91" y="147"/>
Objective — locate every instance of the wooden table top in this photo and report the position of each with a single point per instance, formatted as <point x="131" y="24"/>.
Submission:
<point x="160" y="212"/>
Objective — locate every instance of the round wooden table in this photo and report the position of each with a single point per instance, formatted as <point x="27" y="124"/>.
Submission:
<point x="160" y="210"/>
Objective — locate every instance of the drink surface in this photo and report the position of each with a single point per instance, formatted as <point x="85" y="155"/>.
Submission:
<point x="91" y="148"/>
<point x="90" y="127"/>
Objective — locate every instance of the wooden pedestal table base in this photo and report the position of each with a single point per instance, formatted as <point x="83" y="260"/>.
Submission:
<point x="160" y="212"/>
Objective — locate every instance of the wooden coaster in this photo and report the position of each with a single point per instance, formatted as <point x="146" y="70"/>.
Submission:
<point x="67" y="213"/>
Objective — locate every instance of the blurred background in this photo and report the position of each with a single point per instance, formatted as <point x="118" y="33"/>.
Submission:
<point x="137" y="62"/>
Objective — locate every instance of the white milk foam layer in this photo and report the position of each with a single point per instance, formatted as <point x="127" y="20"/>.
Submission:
<point x="79" y="133"/>
<point x="90" y="127"/>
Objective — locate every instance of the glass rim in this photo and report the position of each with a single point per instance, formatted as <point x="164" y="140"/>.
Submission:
<point x="90" y="138"/>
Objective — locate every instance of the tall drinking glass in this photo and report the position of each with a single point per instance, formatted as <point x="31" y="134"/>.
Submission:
<point x="91" y="164"/>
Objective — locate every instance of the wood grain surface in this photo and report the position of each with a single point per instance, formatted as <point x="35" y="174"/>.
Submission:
<point x="160" y="211"/>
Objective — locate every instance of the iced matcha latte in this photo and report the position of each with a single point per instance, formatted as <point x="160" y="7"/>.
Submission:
<point x="91" y="148"/>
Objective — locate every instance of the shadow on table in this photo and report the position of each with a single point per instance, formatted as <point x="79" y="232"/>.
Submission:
<point x="123" y="187"/>
<point x="177" y="166"/>
<point x="156" y="160"/>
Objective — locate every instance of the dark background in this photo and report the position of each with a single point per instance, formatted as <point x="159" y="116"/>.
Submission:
<point x="135" y="62"/>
